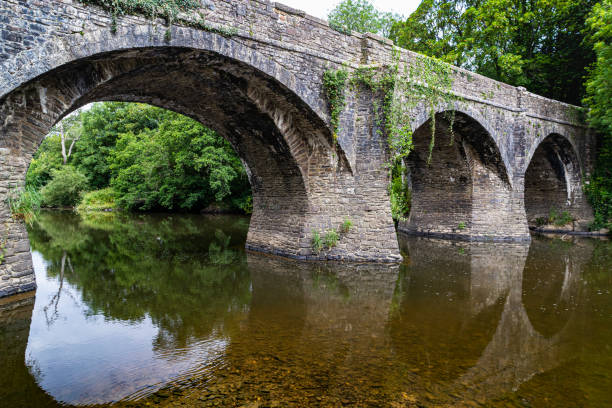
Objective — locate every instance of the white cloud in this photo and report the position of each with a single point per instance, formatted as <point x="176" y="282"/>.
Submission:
<point x="321" y="8"/>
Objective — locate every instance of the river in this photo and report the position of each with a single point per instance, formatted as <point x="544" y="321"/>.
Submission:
<point x="169" y="310"/>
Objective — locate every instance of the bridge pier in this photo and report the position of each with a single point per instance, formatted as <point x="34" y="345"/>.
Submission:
<point x="16" y="272"/>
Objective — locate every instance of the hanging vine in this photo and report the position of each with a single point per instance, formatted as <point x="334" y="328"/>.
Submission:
<point x="334" y="82"/>
<point x="425" y="80"/>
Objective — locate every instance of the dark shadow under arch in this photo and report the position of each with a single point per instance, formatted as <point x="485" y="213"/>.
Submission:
<point x="553" y="185"/>
<point x="451" y="194"/>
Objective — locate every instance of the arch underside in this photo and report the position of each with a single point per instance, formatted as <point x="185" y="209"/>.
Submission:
<point x="553" y="186"/>
<point x="464" y="191"/>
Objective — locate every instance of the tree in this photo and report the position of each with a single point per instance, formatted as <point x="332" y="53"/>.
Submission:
<point x="533" y="43"/>
<point x="433" y="29"/>
<point x="179" y="165"/>
<point x="65" y="187"/>
<point x="599" y="102"/>
<point x="361" y="16"/>
<point x="46" y="159"/>
<point x="102" y="125"/>
<point x="599" y="82"/>
<point x="69" y="130"/>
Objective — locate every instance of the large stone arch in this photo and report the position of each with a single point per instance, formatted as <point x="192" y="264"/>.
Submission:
<point x="56" y="52"/>
<point x="301" y="178"/>
<point x="466" y="191"/>
<point x="553" y="184"/>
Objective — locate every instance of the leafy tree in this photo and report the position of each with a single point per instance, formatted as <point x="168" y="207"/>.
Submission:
<point x="47" y="158"/>
<point x="533" y="43"/>
<point x="65" y="187"/>
<point x="152" y="158"/>
<point x="599" y="83"/>
<point x="102" y="125"/>
<point x="433" y="29"/>
<point x="361" y="16"/>
<point x="599" y="100"/>
<point x="181" y="165"/>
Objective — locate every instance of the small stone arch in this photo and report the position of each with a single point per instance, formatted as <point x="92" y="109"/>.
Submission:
<point x="553" y="185"/>
<point x="466" y="190"/>
<point x="461" y="109"/>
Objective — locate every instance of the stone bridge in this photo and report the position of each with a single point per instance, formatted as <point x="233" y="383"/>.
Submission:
<point x="253" y="71"/>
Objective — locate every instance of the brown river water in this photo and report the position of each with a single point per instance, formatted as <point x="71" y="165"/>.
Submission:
<point x="169" y="310"/>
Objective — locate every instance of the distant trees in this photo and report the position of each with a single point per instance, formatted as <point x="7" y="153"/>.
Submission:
<point x="151" y="158"/>
<point x="599" y="102"/>
<point x="538" y="44"/>
<point x="361" y="16"/>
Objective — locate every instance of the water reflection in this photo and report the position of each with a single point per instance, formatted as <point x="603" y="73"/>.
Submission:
<point x="171" y="310"/>
<point x="455" y="296"/>
<point x="132" y="304"/>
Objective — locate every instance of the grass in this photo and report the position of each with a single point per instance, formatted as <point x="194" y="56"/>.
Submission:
<point x="25" y="204"/>
<point x="559" y="219"/>
<point x="331" y="239"/>
<point x="346" y="226"/>
<point x="98" y="200"/>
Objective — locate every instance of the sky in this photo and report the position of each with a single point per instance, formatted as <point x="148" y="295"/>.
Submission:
<point x="320" y="8"/>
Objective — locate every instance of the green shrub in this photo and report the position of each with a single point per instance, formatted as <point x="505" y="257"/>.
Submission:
<point x="316" y="243"/>
<point x="559" y="219"/>
<point x="65" y="187"/>
<point x="346" y="226"/>
<point x="331" y="239"/>
<point x="245" y="203"/>
<point x="461" y="225"/>
<point x="98" y="200"/>
<point x="25" y="204"/>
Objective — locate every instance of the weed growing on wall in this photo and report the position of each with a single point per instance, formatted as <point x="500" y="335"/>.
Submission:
<point x="3" y="248"/>
<point x="334" y="82"/>
<point x="315" y="242"/>
<point x="167" y="9"/>
<point x="331" y="237"/>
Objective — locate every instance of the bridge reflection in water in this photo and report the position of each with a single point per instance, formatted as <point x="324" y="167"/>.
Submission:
<point x="458" y="324"/>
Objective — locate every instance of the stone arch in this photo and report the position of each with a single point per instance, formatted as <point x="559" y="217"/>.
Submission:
<point x="54" y="53"/>
<point x="285" y="144"/>
<point x="423" y="116"/>
<point x="553" y="183"/>
<point x="465" y="191"/>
